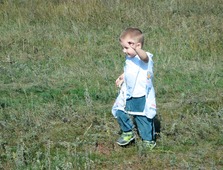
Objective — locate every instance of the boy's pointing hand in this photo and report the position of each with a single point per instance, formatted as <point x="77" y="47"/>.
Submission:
<point x="133" y="45"/>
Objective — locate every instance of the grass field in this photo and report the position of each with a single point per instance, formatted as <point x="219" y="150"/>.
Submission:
<point x="59" y="60"/>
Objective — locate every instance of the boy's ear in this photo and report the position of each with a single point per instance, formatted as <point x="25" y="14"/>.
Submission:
<point x="139" y="45"/>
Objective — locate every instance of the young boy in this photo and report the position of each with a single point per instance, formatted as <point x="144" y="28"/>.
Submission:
<point x="137" y="95"/>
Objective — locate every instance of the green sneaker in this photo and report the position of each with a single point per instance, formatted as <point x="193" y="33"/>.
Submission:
<point x="125" y="138"/>
<point x="149" y="144"/>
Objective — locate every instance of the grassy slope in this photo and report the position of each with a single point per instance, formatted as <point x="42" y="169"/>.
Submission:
<point x="59" y="60"/>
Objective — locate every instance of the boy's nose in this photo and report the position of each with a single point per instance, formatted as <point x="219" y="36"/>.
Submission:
<point x="124" y="50"/>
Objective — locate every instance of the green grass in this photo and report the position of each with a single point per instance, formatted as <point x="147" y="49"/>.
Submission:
<point x="58" y="63"/>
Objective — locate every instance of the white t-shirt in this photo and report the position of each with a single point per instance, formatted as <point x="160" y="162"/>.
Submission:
<point x="137" y="70"/>
<point x="135" y="73"/>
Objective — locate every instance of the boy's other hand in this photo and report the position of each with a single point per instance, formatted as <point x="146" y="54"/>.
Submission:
<point x="119" y="80"/>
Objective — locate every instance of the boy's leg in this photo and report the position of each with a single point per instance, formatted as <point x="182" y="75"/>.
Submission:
<point x="124" y="121"/>
<point x="126" y="126"/>
<point x="145" y="127"/>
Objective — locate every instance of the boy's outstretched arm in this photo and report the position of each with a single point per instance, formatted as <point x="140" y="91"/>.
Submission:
<point x="138" y="49"/>
<point x="142" y="54"/>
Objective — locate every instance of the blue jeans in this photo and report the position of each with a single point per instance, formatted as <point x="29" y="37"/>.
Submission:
<point x="144" y="125"/>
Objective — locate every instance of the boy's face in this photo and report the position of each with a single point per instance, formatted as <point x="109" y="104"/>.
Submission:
<point x="126" y="47"/>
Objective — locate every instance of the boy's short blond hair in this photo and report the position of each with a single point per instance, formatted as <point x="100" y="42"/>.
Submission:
<point x="133" y="33"/>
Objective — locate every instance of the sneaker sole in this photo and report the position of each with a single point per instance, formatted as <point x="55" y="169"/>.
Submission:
<point x="152" y="147"/>
<point x="123" y="144"/>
